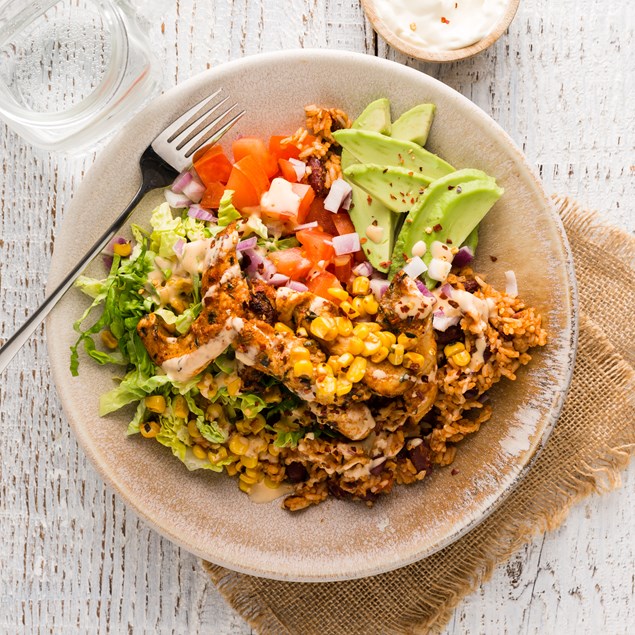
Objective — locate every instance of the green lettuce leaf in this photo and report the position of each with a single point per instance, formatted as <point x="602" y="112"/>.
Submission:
<point x="226" y="210"/>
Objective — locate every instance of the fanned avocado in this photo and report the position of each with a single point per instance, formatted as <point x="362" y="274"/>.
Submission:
<point x="373" y="147"/>
<point x="414" y="125"/>
<point x="366" y="211"/>
<point x="397" y="188"/>
<point x="448" y="211"/>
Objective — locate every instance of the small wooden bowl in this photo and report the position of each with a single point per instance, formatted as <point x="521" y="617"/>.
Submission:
<point x="428" y="55"/>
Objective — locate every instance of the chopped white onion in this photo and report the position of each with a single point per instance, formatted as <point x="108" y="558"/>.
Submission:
<point x="363" y="269"/>
<point x="441" y="322"/>
<point x="310" y="225"/>
<point x="441" y="251"/>
<point x="439" y="269"/>
<point x="340" y="189"/>
<point x="194" y="191"/>
<point x="379" y="287"/>
<point x="181" y="181"/>
<point x="512" y="286"/>
<point x="419" y="249"/>
<point x="299" y="167"/>
<point x="346" y="244"/>
<point x="415" y="267"/>
<point x="176" y="200"/>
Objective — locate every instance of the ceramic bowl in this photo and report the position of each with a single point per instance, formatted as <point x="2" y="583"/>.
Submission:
<point x="206" y="513"/>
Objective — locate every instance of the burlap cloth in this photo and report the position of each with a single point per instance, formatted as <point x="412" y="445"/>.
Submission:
<point x="591" y="443"/>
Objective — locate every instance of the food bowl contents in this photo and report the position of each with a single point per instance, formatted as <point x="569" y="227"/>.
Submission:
<point x="305" y="316"/>
<point x="440" y="25"/>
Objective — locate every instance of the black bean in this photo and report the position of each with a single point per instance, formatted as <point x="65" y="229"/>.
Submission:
<point x="420" y="457"/>
<point x="317" y="178"/>
<point x="451" y="334"/>
<point x="376" y="471"/>
<point x="296" y="472"/>
<point x="471" y="285"/>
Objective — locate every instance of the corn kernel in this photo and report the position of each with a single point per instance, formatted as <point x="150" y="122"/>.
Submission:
<point x="361" y="330"/>
<point x="192" y="429"/>
<point x="300" y="353"/>
<point x="271" y="484"/>
<point x="407" y="340"/>
<point x="279" y="327"/>
<point x="324" y="327"/>
<point x="343" y="386"/>
<point x="303" y="369"/>
<point x="358" y="305"/>
<point x="149" y="429"/>
<point x="461" y="359"/>
<point x="215" y="457"/>
<point x="357" y="370"/>
<point x="231" y="469"/>
<point x="324" y="370"/>
<point x="258" y="423"/>
<point x="361" y="285"/>
<point x="109" y="340"/>
<point x="380" y="355"/>
<point x="325" y="389"/>
<point x="355" y="346"/>
<point x="374" y="327"/>
<point x="344" y="326"/>
<point x="387" y="338"/>
<point x="453" y="349"/>
<point x="243" y="426"/>
<point x="244" y="487"/>
<point x="334" y="362"/>
<point x="274" y="450"/>
<point x="233" y="386"/>
<point x="156" y="403"/>
<point x="347" y="307"/>
<point x="371" y="345"/>
<point x="396" y="354"/>
<point x="345" y="360"/>
<point x="370" y="304"/>
<point x="338" y="293"/>
<point x="199" y="452"/>
<point x="413" y="360"/>
<point x="238" y="445"/>
<point x="123" y="249"/>
<point x="214" y="411"/>
<point x="247" y="480"/>
<point x="254" y="473"/>
<point x="179" y="407"/>
<point x="301" y="332"/>
<point x="249" y="461"/>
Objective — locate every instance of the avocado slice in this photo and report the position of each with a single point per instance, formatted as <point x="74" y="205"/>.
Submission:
<point x="365" y="210"/>
<point x="414" y="125"/>
<point x="451" y="208"/>
<point x="373" y="147"/>
<point x="397" y="188"/>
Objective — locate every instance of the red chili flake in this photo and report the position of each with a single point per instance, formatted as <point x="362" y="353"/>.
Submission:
<point x="493" y="258"/>
<point x="386" y="263"/>
<point x="409" y="220"/>
<point x="410" y="173"/>
<point x="162" y="27"/>
<point x="393" y="197"/>
<point x="400" y="158"/>
<point x="449" y="241"/>
<point x="437" y="228"/>
<point x="384" y="170"/>
<point x="363" y="241"/>
<point x="454" y="472"/>
<point x="369" y="199"/>
<point x="445" y="21"/>
<point x="450" y="187"/>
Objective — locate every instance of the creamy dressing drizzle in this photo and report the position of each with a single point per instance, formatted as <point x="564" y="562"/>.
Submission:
<point x="441" y="25"/>
<point x="260" y="493"/>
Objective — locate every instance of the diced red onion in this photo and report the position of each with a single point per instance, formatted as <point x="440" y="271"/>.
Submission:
<point x="259" y="266"/>
<point x="446" y="290"/>
<point x="278" y="279"/>
<point x="379" y="287"/>
<point x="340" y="189"/>
<point x="194" y="191"/>
<point x="415" y="267"/>
<point x="441" y="322"/>
<point x="297" y="286"/>
<point x="424" y="290"/>
<point x="179" y="247"/>
<point x="181" y="181"/>
<point x="299" y="167"/>
<point x="196" y="211"/>
<point x="310" y="225"/>
<point x="176" y="200"/>
<point x="248" y="243"/>
<point x="346" y="244"/>
<point x="363" y="269"/>
<point x="348" y="199"/>
<point x="463" y="256"/>
<point x="511" y="287"/>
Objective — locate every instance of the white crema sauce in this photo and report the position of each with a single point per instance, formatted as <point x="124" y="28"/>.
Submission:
<point x="441" y="25"/>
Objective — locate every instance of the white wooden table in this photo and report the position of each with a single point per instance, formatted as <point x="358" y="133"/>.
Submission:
<point x="74" y="559"/>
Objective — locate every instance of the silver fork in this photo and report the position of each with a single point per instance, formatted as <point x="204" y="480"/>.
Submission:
<point x="170" y="153"/>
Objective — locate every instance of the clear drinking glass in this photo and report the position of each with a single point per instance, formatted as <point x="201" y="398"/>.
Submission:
<point x="71" y="70"/>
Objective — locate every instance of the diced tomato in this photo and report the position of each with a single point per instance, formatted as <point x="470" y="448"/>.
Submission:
<point x="256" y="148"/>
<point x="288" y="171"/>
<point x="212" y="195"/>
<point x="282" y="151"/>
<point x="306" y="194"/>
<point x="213" y="165"/>
<point x="343" y="223"/>
<point x="323" y="217"/>
<point x="245" y="194"/>
<point x="254" y="172"/>
<point x="342" y="267"/>
<point x="315" y="244"/>
<point x="321" y="283"/>
<point x="291" y="262"/>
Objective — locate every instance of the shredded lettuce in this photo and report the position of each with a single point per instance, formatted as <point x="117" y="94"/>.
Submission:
<point x="257" y="226"/>
<point x="289" y="438"/>
<point x="183" y="321"/>
<point x="226" y="210"/>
